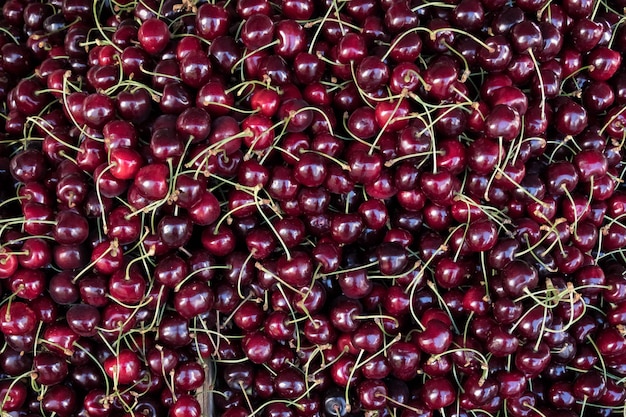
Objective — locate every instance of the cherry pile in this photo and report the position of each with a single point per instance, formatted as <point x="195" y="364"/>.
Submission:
<point x="312" y="208"/>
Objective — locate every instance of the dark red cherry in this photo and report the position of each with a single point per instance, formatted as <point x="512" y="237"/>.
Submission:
<point x="50" y="368"/>
<point x="518" y="276"/>
<point x="439" y="79"/>
<point x="175" y="231"/>
<point x="438" y="393"/>
<point x="498" y="56"/>
<point x="532" y="361"/>
<point x="503" y="121"/>
<point x="571" y="118"/>
<point x="590" y="385"/>
<point x="83" y="319"/>
<point x="60" y="400"/>
<point x="16" y="318"/>
<point x="436" y="338"/>
<point x="99" y="109"/>
<point x="604" y="63"/>
<point x="212" y="21"/>
<point x="480" y="390"/>
<point x="373" y="394"/>
<point x="28" y="165"/>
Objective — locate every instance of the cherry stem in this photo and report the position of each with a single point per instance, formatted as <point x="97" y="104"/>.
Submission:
<point x="319" y="27"/>
<point x="339" y="162"/>
<point x="574" y="73"/>
<point x="39" y="122"/>
<point x="352" y="371"/>
<point x="615" y="30"/>
<point x="612" y="119"/>
<point x="384" y="128"/>
<point x="10" y="35"/>
<point x="353" y="269"/>
<point x="391" y="162"/>
<point x="259" y="266"/>
<point x="249" y="54"/>
<point x="156" y="74"/>
<point x="442" y="303"/>
<point x="214" y="149"/>
<point x="105" y="228"/>
<point x="344" y="121"/>
<point x="243" y="85"/>
<point x="112" y="246"/>
<point x="23" y="239"/>
<point x="14" y="199"/>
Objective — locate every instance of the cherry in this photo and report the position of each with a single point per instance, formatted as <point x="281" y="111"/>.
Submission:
<point x="70" y="228"/>
<point x="37" y="254"/>
<point x="436" y="338"/>
<point x="289" y="383"/>
<point x="392" y="258"/>
<point x="28" y="165"/>
<point x="610" y="342"/>
<point x="598" y="96"/>
<point x="295" y="270"/>
<point x="123" y="368"/>
<point x="212" y="21"/>
<point x="438" y="393"/>
<point x="14" y="395"/>
<point x="152" y="181"/>
<point x="62" y="288"/>
<point x="469" y="14"/>
<point x="185" y="406"/>
<point x="503" y="122"/>
<point x="83" y="319"/>
<point x="17" y="318"/>
<point x="480" y="391"/>
<point x="95" y="403"/>
<point x="532" y="361"/>
<point x="571" y="118"/>
<point x="174" y="331"/>
<point x="613" y="395"/>
<point x="193" y="299"/>
<point x="399" y="17"/>
<point x="310" y="170"/>
<point x="50" y="368"/>
<point x="189" y="376"/>
<point x="498" y="56"/>
<point x="518" y="276"/>
<point x="175" y="231"/>
<point x="526" y="37"/>
<point x="59" y="399"/>
<point x="368" y="336"/>
<point x="134" y="106"/>
<point x="8" y="264"/>
<point x="404" y="360"/>
<point x="501" y="343"/>
<point x="343" y="371"/>
<point x="522" y="405"/>
<point x="511" y="383"/>
<point x="258" y="30"/>
<point x="127" y="286"/>
<point x="319" y="331"/>
<point x="560" y="394"/>
<point x="569" y="259"/>
<point x="372" y="394"/>
<point x="604" y="63"/>
<point x="28" y="98"/>
<point x="98" y="110"/>
<point x="590" y="385"/>
<point x="13" y="363"/>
